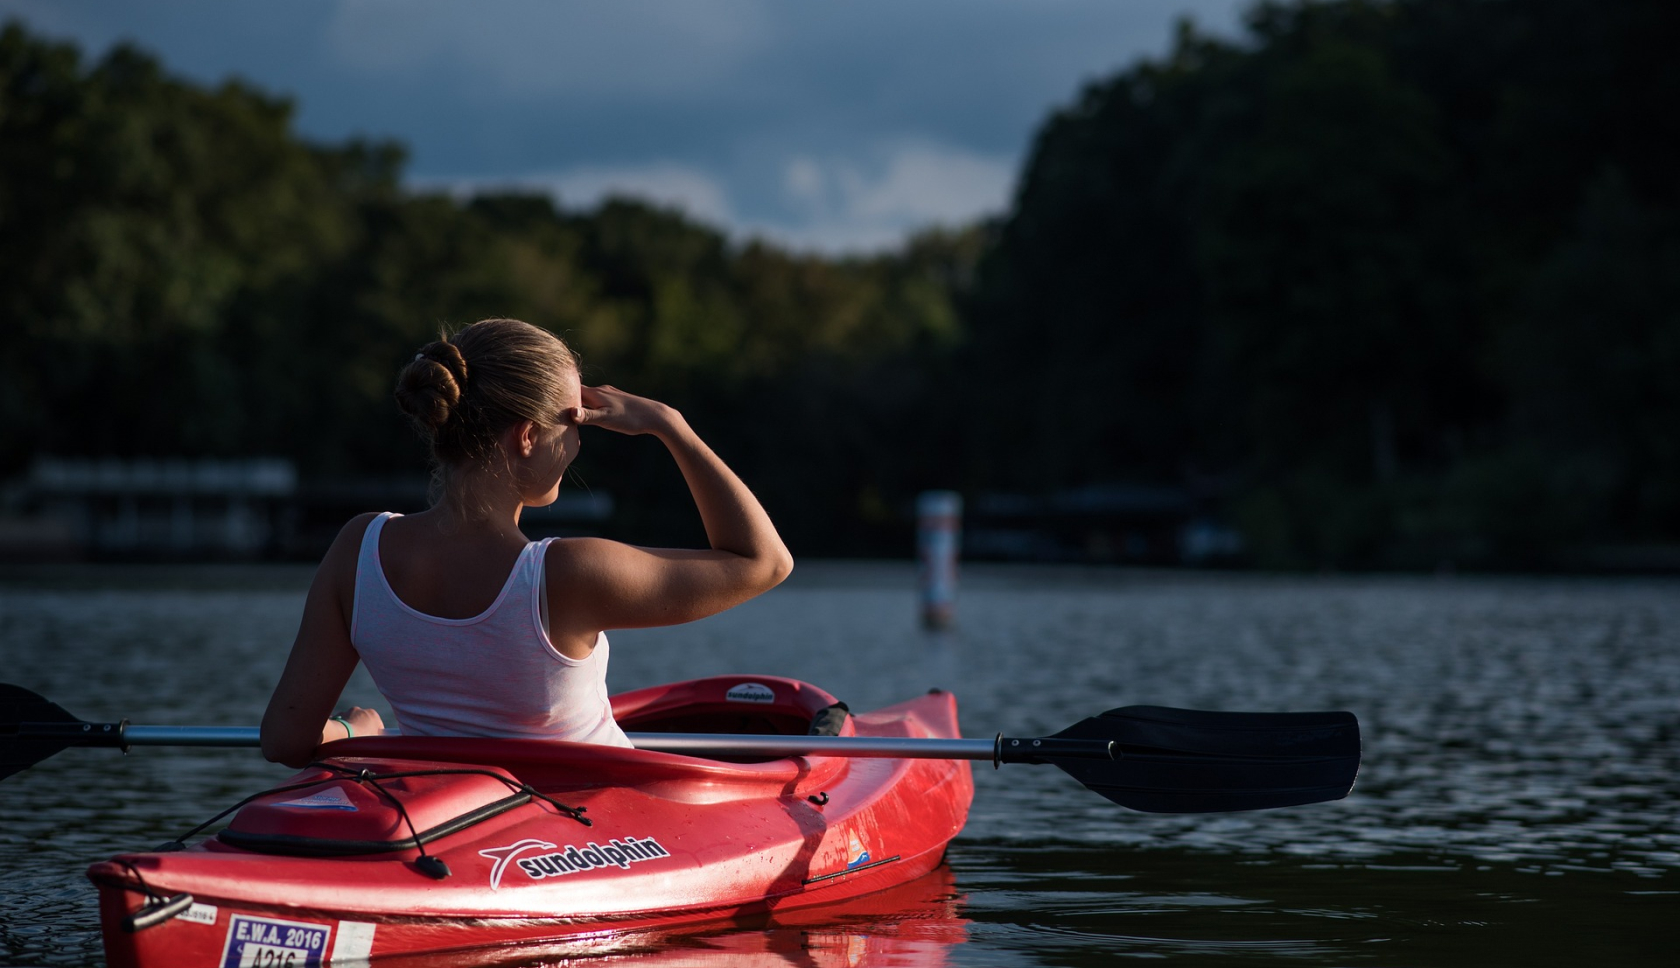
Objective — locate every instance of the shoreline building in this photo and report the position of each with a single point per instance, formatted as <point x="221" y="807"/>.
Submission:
<point x="151" y="508"/>
<point x="148" y="509"/>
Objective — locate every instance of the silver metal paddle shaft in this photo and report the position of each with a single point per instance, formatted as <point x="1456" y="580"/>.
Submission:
<point x="694" y="744"/>
<point x="889" y="747"/>
<point x="192" y="736"/>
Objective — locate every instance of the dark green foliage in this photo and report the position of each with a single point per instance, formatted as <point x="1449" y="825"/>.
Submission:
<point x="160" y="241"/>
<point x="1399" y="277"/>
<point x="181" y="275"/>
<point x="1382" y="283"/>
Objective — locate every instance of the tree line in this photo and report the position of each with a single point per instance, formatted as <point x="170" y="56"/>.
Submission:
<point x="1397" y="281"/>
<point x="1382" y="284"/>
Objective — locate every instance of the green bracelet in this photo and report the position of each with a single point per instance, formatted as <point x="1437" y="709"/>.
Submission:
<point x="348" y="732"/>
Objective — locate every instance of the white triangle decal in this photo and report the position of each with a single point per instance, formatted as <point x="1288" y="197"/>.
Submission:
<point x="334" y="799"/>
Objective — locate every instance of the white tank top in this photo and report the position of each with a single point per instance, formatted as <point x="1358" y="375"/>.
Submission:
<point x="495" y="674"/>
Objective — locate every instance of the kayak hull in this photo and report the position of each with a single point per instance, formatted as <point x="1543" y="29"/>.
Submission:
<point x="547" y="841"/>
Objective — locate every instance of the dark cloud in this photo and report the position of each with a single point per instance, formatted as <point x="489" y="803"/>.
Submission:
<point x="821" y="123"/>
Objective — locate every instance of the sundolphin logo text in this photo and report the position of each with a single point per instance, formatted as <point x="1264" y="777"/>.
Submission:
<point x="571" y="859"/>
<point x="750" y="692"/>
<point x="502" y="855"/>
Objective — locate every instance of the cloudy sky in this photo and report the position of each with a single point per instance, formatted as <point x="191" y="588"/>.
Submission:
<point x="836" y="126"/>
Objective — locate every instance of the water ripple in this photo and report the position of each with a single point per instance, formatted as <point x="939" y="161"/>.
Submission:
<point x="1521" y="771"/>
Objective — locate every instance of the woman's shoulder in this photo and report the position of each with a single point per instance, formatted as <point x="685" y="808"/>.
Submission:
<point x="336" y="577"/>
<point x="577" y="556"/>
<point x="355" y="528"/>
<point x="347" y="546"/>
<point x="359" y="523"/>
<point x="562" y="555"/>
<point x="585" y="573"/>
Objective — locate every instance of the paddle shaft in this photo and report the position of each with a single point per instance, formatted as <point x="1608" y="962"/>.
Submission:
<point x="1152" y="758"/>
<point x="998" y="750"/>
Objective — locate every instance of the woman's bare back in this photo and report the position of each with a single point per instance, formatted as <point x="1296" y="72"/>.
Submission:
<point x="443" y="571"/>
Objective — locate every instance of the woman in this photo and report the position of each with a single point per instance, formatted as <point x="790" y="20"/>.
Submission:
<point x="469" y="628"/>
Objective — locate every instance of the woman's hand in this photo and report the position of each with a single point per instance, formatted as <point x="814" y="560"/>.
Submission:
<point x="612" y="409"/>
<point x="363" y="722"/>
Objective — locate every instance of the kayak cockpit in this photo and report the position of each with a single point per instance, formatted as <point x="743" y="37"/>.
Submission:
<point x="759" y="705"/>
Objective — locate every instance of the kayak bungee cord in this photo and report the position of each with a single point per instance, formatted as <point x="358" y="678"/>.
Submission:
<point x="576" y="813"/>
<point x="427" y="864"/>
<point x="180" y="843"/>
<point x="159" y="909"/>
<point x="373" y="780"/>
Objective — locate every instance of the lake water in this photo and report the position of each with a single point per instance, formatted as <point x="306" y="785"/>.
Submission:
<point x="1519" y="801"/>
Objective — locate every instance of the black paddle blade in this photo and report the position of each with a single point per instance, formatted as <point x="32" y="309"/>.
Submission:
<point x="20" y="752"/>
<point x="1186" y="761"/>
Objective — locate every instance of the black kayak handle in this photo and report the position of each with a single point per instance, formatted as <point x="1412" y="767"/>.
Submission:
<point x="157" y="912"/>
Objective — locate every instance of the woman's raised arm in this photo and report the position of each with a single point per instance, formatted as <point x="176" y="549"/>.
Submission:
<point x="598" y="584"/>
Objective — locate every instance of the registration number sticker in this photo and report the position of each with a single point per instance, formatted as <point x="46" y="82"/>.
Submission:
<point x="200" y="914"/>
<point x="254" y="942"/>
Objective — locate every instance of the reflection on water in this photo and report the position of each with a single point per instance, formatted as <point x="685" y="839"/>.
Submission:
<point x="1060" y="906"/>
<point x="914" y="925"/>
<point x="1520" y="797"/>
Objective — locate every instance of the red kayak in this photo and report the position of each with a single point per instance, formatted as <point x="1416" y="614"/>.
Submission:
<point x="397" y="845"/>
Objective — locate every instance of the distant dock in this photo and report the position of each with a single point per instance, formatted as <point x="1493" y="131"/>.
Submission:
<point x="174" y="509"/>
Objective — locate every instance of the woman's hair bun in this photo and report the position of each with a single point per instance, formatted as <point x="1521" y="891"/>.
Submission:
<point x="430" y="387"/>
<point x="519" y="372"/>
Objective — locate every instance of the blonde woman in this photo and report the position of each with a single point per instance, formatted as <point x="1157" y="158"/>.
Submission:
<point x="468" y="627"/>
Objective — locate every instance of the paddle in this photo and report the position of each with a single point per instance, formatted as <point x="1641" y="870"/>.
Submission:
<point x="1150" y="758"/>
